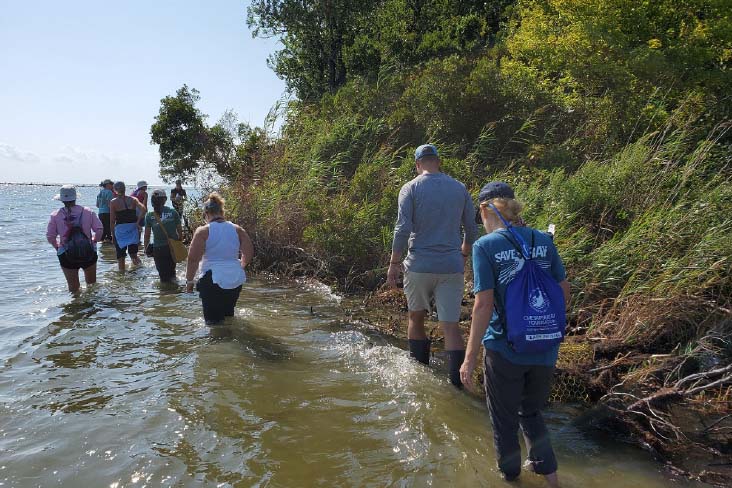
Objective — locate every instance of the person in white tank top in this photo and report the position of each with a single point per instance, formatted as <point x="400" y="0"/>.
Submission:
<point x="223" y="250"/>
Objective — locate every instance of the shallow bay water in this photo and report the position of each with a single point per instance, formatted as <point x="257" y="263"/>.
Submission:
<point x="124" y="386"/>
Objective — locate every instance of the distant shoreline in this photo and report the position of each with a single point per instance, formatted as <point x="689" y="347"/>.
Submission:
<point x="83" y="185"/>
<point x="46" y="184"/>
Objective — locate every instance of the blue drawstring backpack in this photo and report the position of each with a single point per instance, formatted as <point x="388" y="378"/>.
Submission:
<point x="534" y="311"/>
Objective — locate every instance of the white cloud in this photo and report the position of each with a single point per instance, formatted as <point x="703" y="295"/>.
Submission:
<point x="15" y="155"/>
<point x="88" y="166"/>
<point x="74" y="155"/>
<point x="76" y="164"/>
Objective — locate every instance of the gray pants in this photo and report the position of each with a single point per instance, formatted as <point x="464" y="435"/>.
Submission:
<point x="515" y="395"/>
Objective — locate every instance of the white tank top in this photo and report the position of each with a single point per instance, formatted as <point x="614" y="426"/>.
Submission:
<point x="221" y="256"/>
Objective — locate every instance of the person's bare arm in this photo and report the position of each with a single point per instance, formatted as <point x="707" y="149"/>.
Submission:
<point x="147" y="237"/>
<point x="195" y="253"/>
<point x="245" y="246"/>
<point x="139" y="205"/>
<point x="482" y="313"/>
<point x="112" y="219"/>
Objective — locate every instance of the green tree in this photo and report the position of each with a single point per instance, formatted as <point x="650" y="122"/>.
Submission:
<point x="314" y="35"/>
<point x="180" y="132"/>
<point x="187" y="145"/>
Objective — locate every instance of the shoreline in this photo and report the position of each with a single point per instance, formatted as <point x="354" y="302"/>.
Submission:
<point x="385" y="312"/>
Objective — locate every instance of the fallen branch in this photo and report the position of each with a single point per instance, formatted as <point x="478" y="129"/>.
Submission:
<point x="704" y="375"/>
<point x="719" y="382"/>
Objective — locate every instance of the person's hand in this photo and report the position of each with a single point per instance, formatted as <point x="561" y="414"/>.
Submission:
<point x="466" y="373"/>
<point x="392" y="275"/>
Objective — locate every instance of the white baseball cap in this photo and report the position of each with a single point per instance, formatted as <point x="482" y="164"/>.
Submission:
<point x="67" y="193"/>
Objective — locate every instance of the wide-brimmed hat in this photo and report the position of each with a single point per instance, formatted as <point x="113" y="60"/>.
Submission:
<point x="67" y="193"/>
<point x="141" y="184"/>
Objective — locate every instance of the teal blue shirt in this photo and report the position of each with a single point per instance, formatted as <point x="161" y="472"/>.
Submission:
<point x="170" y="219"/>
<point x="103" y="199"/>
<point x="495" y="263"/>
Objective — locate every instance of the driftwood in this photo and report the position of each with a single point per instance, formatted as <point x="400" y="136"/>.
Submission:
<point x="649" y="410"/>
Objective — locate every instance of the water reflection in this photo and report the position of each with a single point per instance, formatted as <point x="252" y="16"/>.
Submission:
<point x="74" y="400"/>
<point x="254" y="342"/>
<point x="70" y="356"/>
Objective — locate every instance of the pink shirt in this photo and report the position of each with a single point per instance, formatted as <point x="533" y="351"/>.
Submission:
<point x="58" y="226"/>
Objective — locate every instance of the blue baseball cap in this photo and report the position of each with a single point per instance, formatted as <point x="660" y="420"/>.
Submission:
<point x="495" y="189"/>
<point x="425" y="150"/>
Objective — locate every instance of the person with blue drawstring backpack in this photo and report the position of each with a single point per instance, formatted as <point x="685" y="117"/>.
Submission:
<point x="521" y="294"/>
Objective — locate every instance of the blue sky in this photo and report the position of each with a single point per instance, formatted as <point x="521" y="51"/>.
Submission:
<point x="81" y="81"/>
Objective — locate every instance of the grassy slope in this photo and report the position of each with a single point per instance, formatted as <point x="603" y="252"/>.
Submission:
<point x="632" y="167"/>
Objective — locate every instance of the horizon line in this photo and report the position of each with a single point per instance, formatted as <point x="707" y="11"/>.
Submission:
<point x="31" y="183"/>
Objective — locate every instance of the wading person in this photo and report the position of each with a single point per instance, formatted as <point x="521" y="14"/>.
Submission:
<point x="178" y="197"/>
<point x="125" y="225"/>
<point x="141" y="194"/>
<point x="432" y="209"/>
<point x="521" y="293"/>
<point x="103" y="198"/>
<point x="164" y="224"/>
<point x="70" y="231"/>
<point x="223" y="250"/>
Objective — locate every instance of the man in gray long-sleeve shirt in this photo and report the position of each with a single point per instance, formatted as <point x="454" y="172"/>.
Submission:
<point x="432" y="209"/>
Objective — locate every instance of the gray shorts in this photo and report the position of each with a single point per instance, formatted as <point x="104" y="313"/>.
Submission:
<point x="447" y="290"/>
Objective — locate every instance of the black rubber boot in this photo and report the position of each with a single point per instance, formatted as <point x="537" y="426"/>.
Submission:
<point x="455" y="360"/>
<point x="419" y="349"/>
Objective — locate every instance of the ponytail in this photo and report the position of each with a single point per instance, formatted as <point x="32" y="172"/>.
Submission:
<point x="214" y="205"/>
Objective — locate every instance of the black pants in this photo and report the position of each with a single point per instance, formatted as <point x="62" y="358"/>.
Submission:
<point x="218" y="302"/>
<point x="516" y="395"/>
<point x="107" y="232"/>
<point x="63" y="259"/>
<point x="164" y="263"/>
<point x="132" y="249"/>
